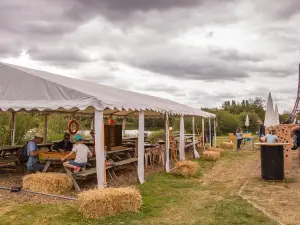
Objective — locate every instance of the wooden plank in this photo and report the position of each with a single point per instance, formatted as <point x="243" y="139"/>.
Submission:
<point x="121" y="150"/>
<point x="126" y="161"/>
<point x="89" y="172"/>
<point x="77" y="188"/>
<point x="48" y="163"/>
<point x="9" y="159"/>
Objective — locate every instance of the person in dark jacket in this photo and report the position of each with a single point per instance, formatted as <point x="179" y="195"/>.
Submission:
<point x="64" y="145"/>
<point x="261" y="130"/>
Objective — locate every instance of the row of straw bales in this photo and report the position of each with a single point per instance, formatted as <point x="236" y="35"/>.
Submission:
<point x="109" y="201"/>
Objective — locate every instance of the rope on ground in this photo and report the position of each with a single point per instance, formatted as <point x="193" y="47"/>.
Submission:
<point x="254" y="204"/>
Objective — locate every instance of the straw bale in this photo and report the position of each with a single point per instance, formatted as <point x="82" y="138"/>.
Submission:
<point x="109" y="201"/>
<point x="216" y="149"/>
<point x="211" y="155"/>
<point x="227" y="145"/>
<point x="186" y="168"/>
<point x="51" y="183"/>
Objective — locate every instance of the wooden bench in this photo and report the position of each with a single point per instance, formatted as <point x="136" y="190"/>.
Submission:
<point x="82" y="175"/>
<point x="6" y="160"/>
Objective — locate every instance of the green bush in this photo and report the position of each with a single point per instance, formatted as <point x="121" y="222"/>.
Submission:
<point x="155" y="136"/>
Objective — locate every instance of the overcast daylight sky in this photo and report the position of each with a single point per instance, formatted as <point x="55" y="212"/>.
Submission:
<point x="196" y="52"/>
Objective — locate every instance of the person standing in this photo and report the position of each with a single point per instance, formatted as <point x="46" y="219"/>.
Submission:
<point x="261" y="130"/>
<point x="239" y="138"/>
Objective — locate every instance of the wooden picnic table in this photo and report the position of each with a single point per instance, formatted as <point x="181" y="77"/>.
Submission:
<point x="13" y="149"/>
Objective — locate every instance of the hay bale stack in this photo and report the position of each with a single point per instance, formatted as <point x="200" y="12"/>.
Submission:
<point x="186" y="168"/>
<point x="211" y="155"/>
<point x="50" y="183"/>
<point x="109" y="201"/>
<point x="216" y="149"/>
<point x="227" y="145"/>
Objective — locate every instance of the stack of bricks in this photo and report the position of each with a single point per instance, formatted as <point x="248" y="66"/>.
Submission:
<point x="283" y="132"/>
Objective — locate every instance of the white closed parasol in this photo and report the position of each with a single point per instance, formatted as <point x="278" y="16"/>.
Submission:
<point x="276" y="116"/>
<point x="247" y="121"/>
<point x="269" y="117"/>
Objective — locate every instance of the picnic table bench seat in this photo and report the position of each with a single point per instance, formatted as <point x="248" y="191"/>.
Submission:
<point x="87" y="172"/>
<point x="9" y="159"/>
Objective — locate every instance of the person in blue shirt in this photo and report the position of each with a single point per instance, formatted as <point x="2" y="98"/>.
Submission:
<point x="271" y="138"/>
<point x="239" y="138"/>
<point x="33" y="164"/>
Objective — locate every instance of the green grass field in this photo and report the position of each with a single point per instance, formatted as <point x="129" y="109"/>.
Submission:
<point x="167" y="199"/>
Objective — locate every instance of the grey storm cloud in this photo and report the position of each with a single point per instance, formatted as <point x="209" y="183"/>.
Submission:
<point x="63" y="56"/>
<point x="184" y="63"/>
<point x="138" y="33"/>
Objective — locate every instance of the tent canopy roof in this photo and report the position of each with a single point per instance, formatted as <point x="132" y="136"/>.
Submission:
<point x="27" y="89"/>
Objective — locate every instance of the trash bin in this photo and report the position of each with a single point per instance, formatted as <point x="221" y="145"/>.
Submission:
<point x="272" y="161"/>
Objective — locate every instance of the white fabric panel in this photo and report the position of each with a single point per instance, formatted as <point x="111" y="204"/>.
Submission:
<point x="99" y="148"/>
<point x="210" y="138"/>
<point x="203" y="133"/>
<point x="13" y="127"/>
<point x="269" y="117"/>
<point x="196" y="154"/>
<point x="50" y="92"/>
<point x="215" y="134"/>
<point x="167" y="145"/>
<point x="123" y="126"/>
<point x="141" y="151"/>
<point x="181" y="138"/>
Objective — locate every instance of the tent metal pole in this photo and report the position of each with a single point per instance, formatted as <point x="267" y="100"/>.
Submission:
<point x="124" y="126"/>
<point x="215" y="134"/>
<point x="13" y="128"/>
<point x="181" y="138"/>
<point x="45" y="128"/>
<point x="141" y="146"/>
<point x="196" y="154"/>
<point x="210" y="137"/>
<point x="167" y="144"/>
<point x="203" y="134"/>
<point x="99" y="149"/>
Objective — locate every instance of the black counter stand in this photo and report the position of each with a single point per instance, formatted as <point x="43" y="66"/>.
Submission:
<point x="272" y="161"/>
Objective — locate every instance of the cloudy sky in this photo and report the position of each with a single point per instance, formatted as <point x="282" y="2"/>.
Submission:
<point x="197" y="52"/>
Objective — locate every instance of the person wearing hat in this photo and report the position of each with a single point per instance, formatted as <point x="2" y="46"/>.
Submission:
<point x="82" y="153"/>
<point x="33" y="164"/>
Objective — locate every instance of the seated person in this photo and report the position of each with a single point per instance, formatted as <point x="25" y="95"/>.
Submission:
<point x="82" y="153"/>
<point x="271" y="138"/>
<point x="64" y="145"/>
<point x="33" y="164"/>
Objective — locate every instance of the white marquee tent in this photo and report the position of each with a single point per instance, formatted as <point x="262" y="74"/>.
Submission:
<point x="24" y="89"/>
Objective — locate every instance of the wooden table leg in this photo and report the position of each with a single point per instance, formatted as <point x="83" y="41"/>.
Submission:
<point x="77" y="188"/>
<point x="48" y="163"/>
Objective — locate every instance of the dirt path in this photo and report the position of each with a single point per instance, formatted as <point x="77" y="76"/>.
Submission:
<point x="221" y="183"/>
<point x="280" y="199"/>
